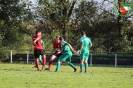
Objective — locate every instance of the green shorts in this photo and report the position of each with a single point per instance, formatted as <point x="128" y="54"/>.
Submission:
<point x="84" y="56"/>
<point x="65" y="57"/>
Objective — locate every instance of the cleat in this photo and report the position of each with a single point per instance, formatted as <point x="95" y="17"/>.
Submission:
<point x="43" y="67"/>
<point x="86" y="71"/>
<point x="47" y="69"/>
<point x="56" y="71"/>
<point x="38" y="69"/>
<point x="75" y="70"/>
<point x="81" y="71"/>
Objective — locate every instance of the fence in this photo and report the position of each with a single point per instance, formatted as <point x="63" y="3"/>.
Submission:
<point x="94" y="59"/>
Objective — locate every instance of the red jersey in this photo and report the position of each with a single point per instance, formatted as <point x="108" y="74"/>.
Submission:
<point x="57" y="45"/>
<point x="37" y="45"/>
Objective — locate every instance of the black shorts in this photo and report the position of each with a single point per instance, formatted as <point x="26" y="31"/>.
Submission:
<point x="57" y="54"/>
<point x="38" y="52"/>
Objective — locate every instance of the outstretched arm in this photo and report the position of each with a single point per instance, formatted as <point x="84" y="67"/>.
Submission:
<point x="71" y="48"/>
<point x="36" y="40"/>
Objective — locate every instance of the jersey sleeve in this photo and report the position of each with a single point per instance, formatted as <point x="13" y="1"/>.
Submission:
<point x="64" y="43"/>
<point x="90" y="41"/>
<point x="81" y="41"/>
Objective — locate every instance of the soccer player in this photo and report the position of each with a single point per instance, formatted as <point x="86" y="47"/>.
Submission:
<point x="66" y="55"/>
<point x="85" y="44"/>
<point x="56" y="52"/>
<point x="40" y="57"/>
<point x="38" y="50"/>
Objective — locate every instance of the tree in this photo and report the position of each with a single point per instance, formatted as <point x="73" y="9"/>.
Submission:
<point x="57" y="13"/>
<point x="12" y="14"/>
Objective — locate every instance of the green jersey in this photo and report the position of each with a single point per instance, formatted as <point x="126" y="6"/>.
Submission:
<point x="86" y="44"/>
<point x="65" y="47"/>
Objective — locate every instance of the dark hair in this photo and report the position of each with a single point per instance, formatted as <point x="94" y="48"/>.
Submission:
<point x="61" y="38"/>
<point x="83" y="33"/>
<point x="38" y="31"/>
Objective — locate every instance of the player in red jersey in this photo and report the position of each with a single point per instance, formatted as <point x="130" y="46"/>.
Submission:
<point x="38" y="50"/>
<point x="56" y="52"/>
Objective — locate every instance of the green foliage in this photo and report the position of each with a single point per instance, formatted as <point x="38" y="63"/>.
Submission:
<point x="4" y="53"/>
<point x="12" y="15"/>
<point x="67" y="18"/>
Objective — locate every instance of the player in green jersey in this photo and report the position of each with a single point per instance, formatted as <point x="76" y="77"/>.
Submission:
<point x="66" y="55"/>
<point x="85" y="44"/>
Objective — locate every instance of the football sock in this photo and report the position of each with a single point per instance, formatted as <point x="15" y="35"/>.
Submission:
<point x="40" y="61"/>
<point x="37" y="64"/>
<point x="57" y="66"/>
<point x="86" y="67"/>
<point x="71" y="64"/>
<point x="81" y="67"/>
<point x="43" y="62"/>
<point x="60" y="62"/>
<point x="50" y="65"/>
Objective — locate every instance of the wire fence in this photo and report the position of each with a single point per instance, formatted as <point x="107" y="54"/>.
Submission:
<point x="96" y="58"/>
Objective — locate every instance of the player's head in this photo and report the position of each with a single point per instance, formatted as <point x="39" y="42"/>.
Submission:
<point x="61" y="39"/>
<point x="38" y="32"/>
<point x="57" y="38"/>
<point x="83" y="33"/>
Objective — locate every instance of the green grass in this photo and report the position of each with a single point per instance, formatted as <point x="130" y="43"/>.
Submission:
<point x="26" y="76"/>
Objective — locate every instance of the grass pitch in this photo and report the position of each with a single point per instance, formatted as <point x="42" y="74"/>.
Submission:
<point x="26" y="76"/>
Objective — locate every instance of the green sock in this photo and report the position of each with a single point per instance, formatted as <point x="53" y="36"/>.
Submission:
<point x="40" y="61"/>
<point x="57" y="66"/>
<point x="81" y="67"/>
<point x="86" y="67"/>
<point x="71" y="64"/>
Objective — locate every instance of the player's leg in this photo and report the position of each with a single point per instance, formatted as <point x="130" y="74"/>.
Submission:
<point x="43" y="59"/>
<point x="81" y="62"/>
<point x="62" y="58"/>
<point x="53" y="57"/>
<point x="57" y="66"/>
<point x="40" y="59"/>
<point x="71" y="64"/>
<point x="86" y="62"/>
<point x="81" y="65"/>
<point x="36" y="55"/>
<point x="86" y="65"/>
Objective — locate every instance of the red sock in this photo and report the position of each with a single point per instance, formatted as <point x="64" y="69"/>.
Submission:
<point x="50" y="65"/>
<point x="60" y="62"/>
<point x="43" y="61"/>
<point x="37" y="64"/>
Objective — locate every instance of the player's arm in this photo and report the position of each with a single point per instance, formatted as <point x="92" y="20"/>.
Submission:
<point x="72" y="48"/>
<point x="90" y="45"/>
<point x="36" y="39"/>
<point x="81" y="45"/>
